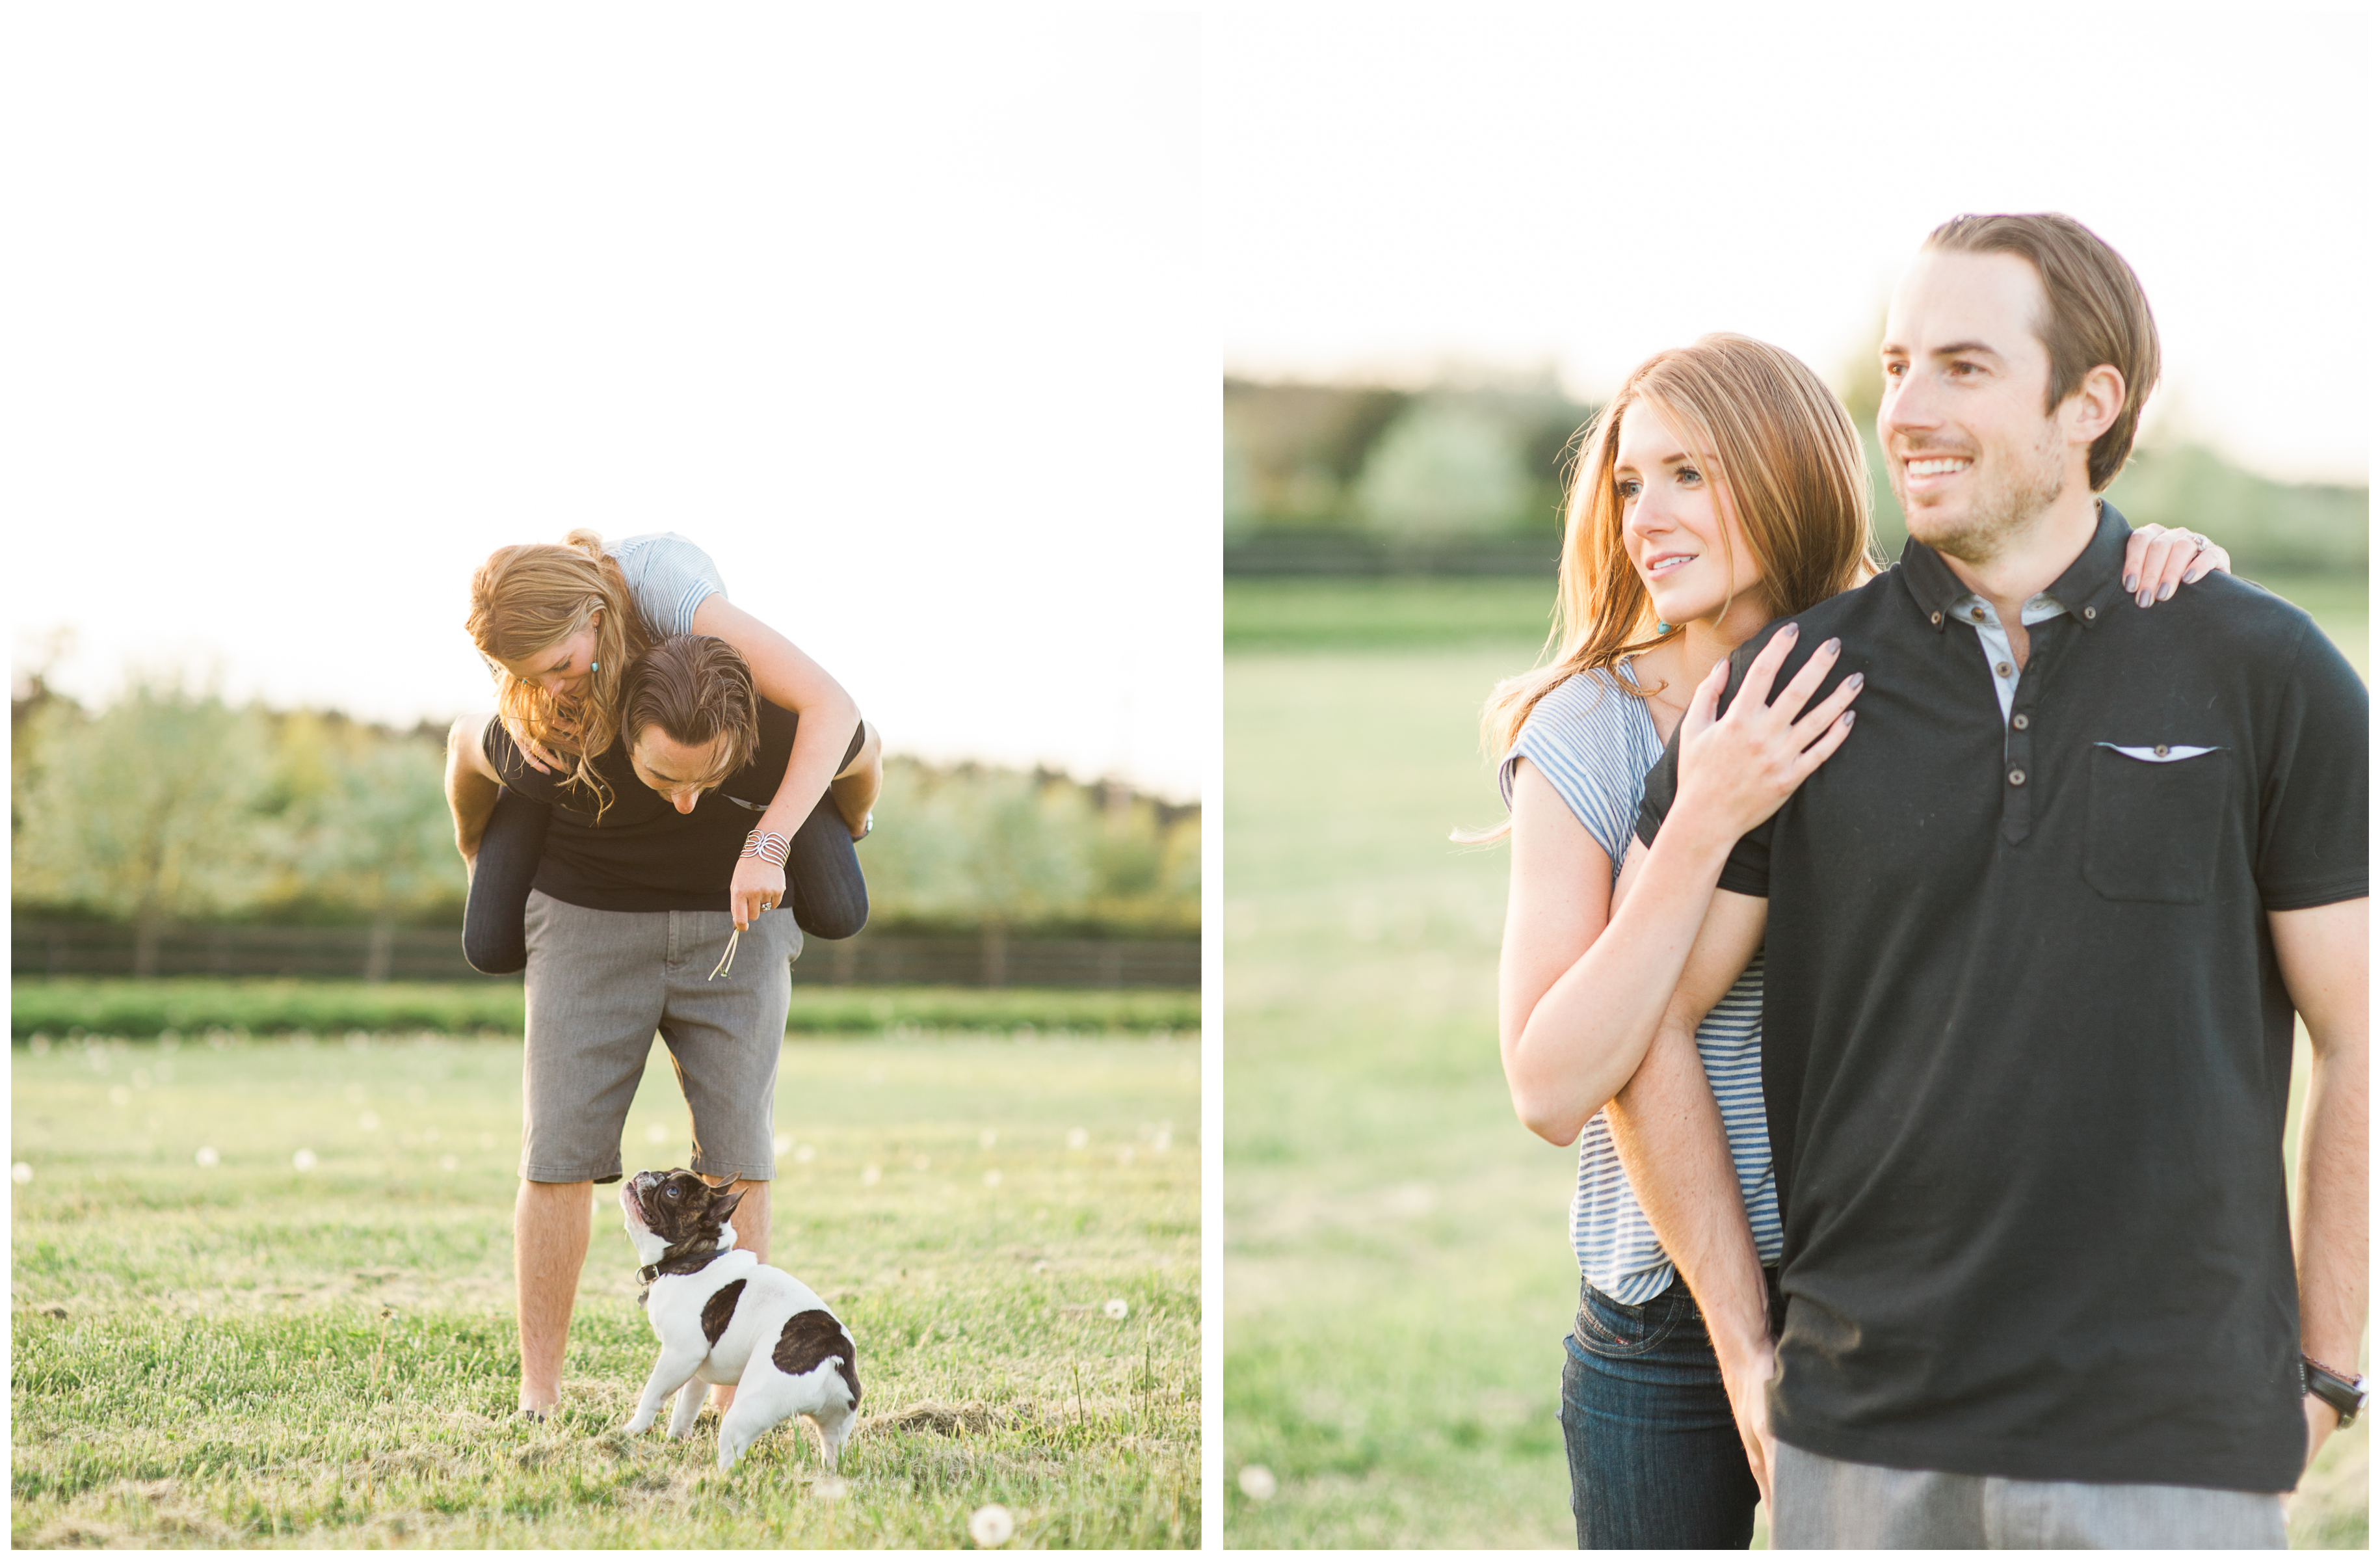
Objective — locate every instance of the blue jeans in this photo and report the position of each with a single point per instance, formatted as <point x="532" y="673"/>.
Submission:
<point x="1655" y="1462"/>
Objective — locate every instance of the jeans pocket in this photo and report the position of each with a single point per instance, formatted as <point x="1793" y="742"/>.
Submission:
<point x="1618" y="1331"/>
<point x="2156" y="821"/>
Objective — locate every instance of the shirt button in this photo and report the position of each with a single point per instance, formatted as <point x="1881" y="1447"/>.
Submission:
<point x="2016" y="777"/>
<point x="2159" y="751"/>
<point x="1976" y="613"/>
<point x="1937" y="620"/>
<point x="2090" y="612"/>
<point x="2002" y="669"/>
<point x="2022" y="722"/>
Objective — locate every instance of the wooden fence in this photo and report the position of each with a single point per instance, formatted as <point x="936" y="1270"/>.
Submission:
<point x="986" y="958"/>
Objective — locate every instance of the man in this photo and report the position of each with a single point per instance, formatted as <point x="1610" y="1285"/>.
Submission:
<point x="2034" y="936"/>
<point x="628" y="932"/>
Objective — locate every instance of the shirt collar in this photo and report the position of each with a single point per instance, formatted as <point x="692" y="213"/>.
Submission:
<point x="2090" y="583"/>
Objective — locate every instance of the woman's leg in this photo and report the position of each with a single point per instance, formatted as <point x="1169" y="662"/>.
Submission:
<point x="855" y="787"/>
<point x="1655" y="1462"/>
<point x="509" y="849"/>
<point x="822" y="877"/>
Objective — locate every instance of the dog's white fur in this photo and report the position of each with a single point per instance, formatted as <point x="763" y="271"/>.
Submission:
<point x="689" y="1362"/>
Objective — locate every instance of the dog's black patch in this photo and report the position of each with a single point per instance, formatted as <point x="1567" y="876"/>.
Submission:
<point x="680" y="1207"/>
<point x="812" y="1337"/>
<point x="720" y="1310"/>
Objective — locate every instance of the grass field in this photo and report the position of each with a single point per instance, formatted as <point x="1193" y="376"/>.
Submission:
<point x="188" y="1006"/>
<point x="1397" y="1277"/>
<point x="244" y="1353"/>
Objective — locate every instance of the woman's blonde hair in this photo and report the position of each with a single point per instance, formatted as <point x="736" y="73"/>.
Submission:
<point x="528" y="598"/>
<point x="1783" y="459"/>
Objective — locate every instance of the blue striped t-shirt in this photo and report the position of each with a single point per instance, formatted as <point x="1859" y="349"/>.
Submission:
<point x="1594" y="743"/>
<point x="668" y="577"/>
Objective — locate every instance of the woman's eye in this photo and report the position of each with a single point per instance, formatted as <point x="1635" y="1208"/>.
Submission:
<point x="1688" y="474"/>
<point x="1629" y="487"/>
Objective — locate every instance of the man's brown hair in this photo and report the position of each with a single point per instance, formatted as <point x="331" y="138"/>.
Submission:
<point x="695" y="688"/>
<point x="2095" y="313"/>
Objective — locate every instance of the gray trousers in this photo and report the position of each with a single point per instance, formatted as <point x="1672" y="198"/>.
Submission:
<point x="1825" y="1504"/>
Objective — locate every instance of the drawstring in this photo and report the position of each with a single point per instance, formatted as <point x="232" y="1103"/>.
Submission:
<point x="726" y="961"/>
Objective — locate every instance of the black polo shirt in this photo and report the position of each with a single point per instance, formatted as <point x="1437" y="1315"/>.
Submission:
<point x="641" y="853"/>
<point x="2026" y="1049"/>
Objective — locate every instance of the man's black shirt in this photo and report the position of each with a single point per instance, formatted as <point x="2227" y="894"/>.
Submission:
<point x="2026" y="1048"/>
<point x="641" y="854"/>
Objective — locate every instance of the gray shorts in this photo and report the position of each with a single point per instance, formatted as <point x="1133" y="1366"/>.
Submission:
<point x="1827" y="1504"/>
<point x="600" y="984"/>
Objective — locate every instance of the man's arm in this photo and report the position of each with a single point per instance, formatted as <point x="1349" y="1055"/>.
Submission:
<point x="2324" y="963"/>
<point x="471" y="783"/>
<point x="1665" y="1125"/>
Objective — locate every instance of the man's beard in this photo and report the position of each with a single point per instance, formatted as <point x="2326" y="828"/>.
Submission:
<point x="1999" y="513"/>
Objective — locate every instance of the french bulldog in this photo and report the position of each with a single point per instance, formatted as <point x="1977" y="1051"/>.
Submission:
<point x="723" y="1316"/>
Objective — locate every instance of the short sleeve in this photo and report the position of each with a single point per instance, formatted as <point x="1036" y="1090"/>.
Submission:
<point x="668" y="577"/>
<point x="1592" y="743"/>
<point x="2311" y="826"/>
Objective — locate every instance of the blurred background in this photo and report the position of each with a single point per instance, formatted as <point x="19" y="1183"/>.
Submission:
<point x="1440" y="241"/>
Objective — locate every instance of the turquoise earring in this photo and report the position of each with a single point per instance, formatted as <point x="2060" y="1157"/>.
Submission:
<point x="1659" y="627"/>
<point x="597" y="667"/>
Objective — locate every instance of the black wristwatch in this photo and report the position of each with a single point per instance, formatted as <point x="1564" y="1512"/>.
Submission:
<point x="2344" y="1394"/>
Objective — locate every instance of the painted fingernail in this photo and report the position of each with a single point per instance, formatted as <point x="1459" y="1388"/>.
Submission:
<point x="1830" y="647"/>
<point x="1856" y="680"/>
<point x="2145" y="598"/>
<point x="1789" y="631"/>
<point x="2131" y="582"/>
<point x="2165" y="595"/>
<point x="1849" y="716"/>
<point x="2191" y="578"/>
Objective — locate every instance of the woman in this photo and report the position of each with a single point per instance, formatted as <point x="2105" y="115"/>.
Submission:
<point x="1723" y="486"/>
<point x="559" y="625"/>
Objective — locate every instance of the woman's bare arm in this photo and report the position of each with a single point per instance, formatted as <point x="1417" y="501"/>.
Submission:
<point x="787" y="678"/>
<point x="1573" y="1033"/>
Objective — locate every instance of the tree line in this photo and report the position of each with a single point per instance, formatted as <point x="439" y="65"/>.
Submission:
<point x="1486" y="459"/>
<point x="171" y="804"/>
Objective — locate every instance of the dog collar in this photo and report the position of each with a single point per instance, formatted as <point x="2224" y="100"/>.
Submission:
<point x="681" y="1260"/>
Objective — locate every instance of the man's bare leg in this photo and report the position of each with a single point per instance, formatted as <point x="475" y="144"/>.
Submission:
<point x="550" y="1226"/>
<point x="751" y="1222"/>
<point x="855" y="791"/>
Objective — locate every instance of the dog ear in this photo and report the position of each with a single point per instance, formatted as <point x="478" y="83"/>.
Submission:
<point x="726" y="1206"/>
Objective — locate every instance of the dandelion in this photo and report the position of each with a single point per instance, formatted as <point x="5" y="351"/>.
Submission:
<point x="784" y="1143"/>
<point x="870" y="1177"/>
<point x="20" y="1173"/>
<point x="991" y="1178"/>
<point x="447" y="1162"/>
<point x="41" y="1043"/>
<point x="656" y="1133"/>
<point x="988" y="1138"/>
<point x="1078" y="1139"/>
<point x="805" y="1155"/>
<point x="207" y="1157"/>
<point x="1116" y="1308"/>
<point x="829" y="1487"/>
<point x="1257" y="1483"/>
<point x="368" y="1121"/>
<point x="1163" y="1140"/>
<point x="922" y="1162"/>
<point x="120" y="1095"/>
<point x="992" y="1526"/>
<point x="303" y="1160"/>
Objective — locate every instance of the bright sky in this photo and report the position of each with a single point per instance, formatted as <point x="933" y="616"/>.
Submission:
<point x="312" y="307"/>
<point x="1392" y="189"/>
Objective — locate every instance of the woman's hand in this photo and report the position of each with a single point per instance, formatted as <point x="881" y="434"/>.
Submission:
<point x="2157" y="559"/>
<point x="1747" y="1396"/>
<point x="757" y="886"/>
<point x="1733" y="771"/>
<point x="540" y="758"/>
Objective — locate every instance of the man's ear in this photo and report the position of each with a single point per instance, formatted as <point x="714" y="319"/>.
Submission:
<point x="2094" y="405"/>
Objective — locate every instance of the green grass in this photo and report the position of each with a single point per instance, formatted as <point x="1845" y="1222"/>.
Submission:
<point x="1411" y="613"/>
<point x="1397" y="1275"/>
<point x="251" y="1355"/>
<point x="109" y="1005"/>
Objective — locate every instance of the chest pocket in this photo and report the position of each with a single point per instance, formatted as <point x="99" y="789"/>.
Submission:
<point x="2157" y="822"/>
